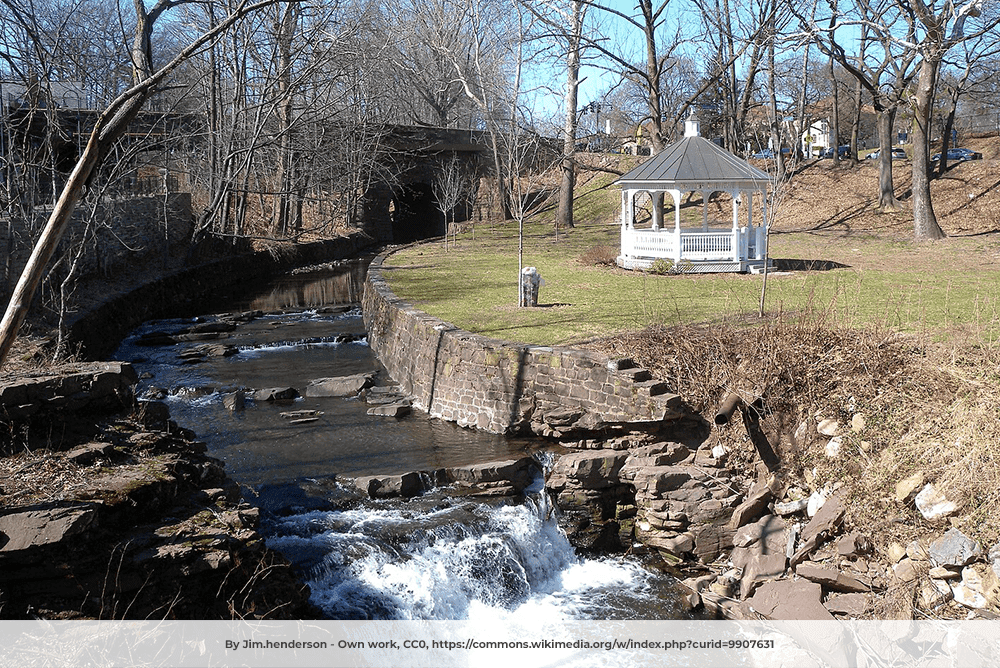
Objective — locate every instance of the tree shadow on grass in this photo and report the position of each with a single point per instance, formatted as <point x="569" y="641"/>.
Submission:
<point x="807" y="265"/>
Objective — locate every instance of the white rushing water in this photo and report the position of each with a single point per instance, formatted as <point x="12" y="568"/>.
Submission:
<point x="463" y="560"/>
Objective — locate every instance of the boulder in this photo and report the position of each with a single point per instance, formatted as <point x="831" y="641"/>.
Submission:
<point x="790" y="507"/>
<point x="828" y="427"/>
<point x="908" y="488"/>
<point x="340" y="386"/>
<point x="790" y="599"/>
<point x="562" y="417"/>
<point x="979" y="588"/>
<point x="381" y="487"/>
<point x="826" y="519"/>
<point x="235" y="401"/>
<point x="658" y="454"/>
<point x="954" y="549"/>
<point x="757" y="499"/>
<point x="934" y="594"/>
<point x="934" y="505"/>
<point x="85" y="455"/>
<point x="276" y="394"/>
<point x="906" y="570"/>
<point x="831" y="577"/>
<point x="852" y="605"/>
<point x="710" y="541"/>
<point x="592" y="469"/>
<point x="518" y="473"/>
<point x="676" y="544"/>
<point x="853" y="544"/>
<point x="761" y="567"/>
<point x="942" y="573"/>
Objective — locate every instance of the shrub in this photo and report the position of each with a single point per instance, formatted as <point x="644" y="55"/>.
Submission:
<point x="661" y="266"/>
<point x="600" y="255"/>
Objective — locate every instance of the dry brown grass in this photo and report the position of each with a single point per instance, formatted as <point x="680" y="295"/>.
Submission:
<point x="927" y="408"/>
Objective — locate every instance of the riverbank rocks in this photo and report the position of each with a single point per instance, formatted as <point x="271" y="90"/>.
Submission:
<point x="82" y="387"/>
<point x="140" y="524"/>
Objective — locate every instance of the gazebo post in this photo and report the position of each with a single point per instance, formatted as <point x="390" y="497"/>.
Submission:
<point x="704" y="211"/>
<point x="737" y="246"/>
<point x="657" y="198"/>
<point x="678" y="246"/>
<point x="751" y="231"/>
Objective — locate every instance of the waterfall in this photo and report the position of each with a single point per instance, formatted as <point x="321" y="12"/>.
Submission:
<point x="462" y="560"/>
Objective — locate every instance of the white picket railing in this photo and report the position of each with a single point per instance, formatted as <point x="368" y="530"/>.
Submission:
<point x="695" y="245"/>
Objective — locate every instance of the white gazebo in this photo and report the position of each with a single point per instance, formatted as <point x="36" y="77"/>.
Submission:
<point x="694" y="165"/>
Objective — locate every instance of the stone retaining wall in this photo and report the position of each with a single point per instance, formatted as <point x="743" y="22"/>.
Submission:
<point x="101" y="329"/>
<point x="500" y="386"/>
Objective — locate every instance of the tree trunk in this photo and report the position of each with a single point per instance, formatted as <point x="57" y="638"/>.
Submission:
<point x="564" y="214"/>
<point x="775" y="118"/>
<point x="652" y="78"/>
<point x="886" y="197"/>
<point x="925" y="224"/>
<point x="801" y="115"/>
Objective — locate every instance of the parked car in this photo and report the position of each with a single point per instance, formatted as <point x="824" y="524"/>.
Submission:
<point x="767" y="154"/>
<point x="958" y="155"/>
<point x="844" y="151"/>
<point x="897" y="154"/>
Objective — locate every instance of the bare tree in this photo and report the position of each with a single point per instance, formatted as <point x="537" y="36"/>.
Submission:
<point x="884" y="72"/>
<point x="450" y="186"/>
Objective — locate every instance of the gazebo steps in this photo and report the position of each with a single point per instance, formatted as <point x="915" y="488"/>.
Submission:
<point x="757" y="266"/>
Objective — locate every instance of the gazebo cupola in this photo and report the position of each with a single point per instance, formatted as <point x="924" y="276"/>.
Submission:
<point x="693" y="165"/>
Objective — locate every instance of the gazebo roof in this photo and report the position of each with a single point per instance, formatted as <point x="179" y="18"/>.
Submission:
<point x="694" y="163"/>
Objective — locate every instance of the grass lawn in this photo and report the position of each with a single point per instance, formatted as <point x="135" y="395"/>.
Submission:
<point x="945" y="289"/>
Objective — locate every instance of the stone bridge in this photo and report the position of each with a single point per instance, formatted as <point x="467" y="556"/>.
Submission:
<point x="398" y="209"/>
<point x="406" y="209"/>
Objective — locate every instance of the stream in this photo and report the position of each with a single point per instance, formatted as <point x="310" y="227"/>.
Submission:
<point x="439" y="556"/>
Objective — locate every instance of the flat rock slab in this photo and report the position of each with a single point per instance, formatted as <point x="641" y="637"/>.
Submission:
<point x="43" y="525"/>
<point x="396" y="410"/>
<point x="826" y="519"/>
<point x="339" y="386"/>
<point x="831" y="577"/>
<point x="790" y="599"/>
<point x="853" y="605"/>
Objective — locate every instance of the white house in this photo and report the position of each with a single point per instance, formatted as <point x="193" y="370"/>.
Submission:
<point x="694" y="165"/>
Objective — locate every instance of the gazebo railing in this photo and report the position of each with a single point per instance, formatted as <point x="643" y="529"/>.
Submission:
<point x="707" y="245"/>
<point x="695" y="245"/>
